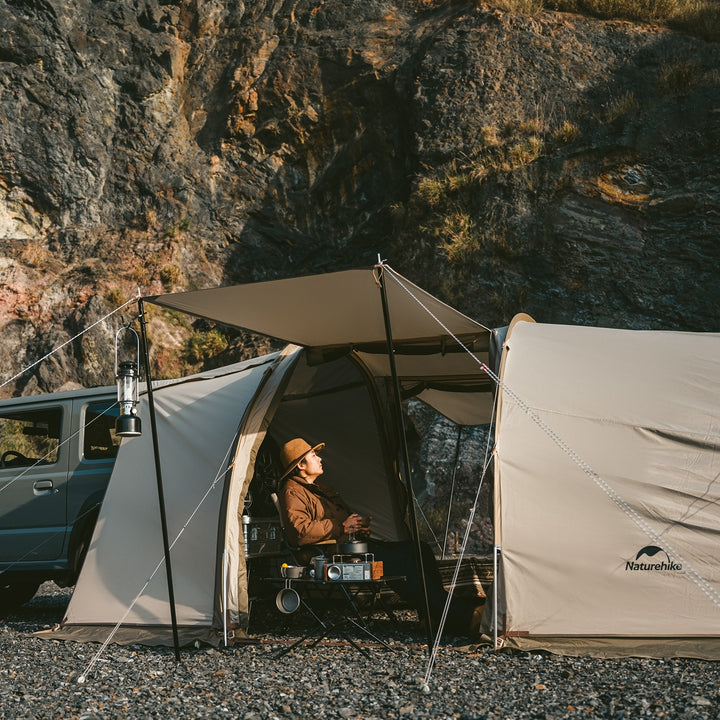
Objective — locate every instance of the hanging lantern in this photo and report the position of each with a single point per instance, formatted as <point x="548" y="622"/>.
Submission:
<point x="127" y="377"/>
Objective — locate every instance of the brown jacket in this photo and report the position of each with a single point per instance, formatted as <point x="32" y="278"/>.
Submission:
<point x="312" y="512"/>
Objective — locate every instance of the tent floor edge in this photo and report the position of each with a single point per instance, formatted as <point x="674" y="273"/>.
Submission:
<point x="149" y="635"/>
<point x="703" y="648"/>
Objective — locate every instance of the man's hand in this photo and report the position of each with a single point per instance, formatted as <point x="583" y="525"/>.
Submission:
<point x="356" y="524"/>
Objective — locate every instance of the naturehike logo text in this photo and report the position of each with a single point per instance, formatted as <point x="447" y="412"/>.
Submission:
<point x="662" y="564"/>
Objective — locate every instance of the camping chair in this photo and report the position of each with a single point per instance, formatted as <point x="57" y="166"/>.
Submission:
<point x="341" y="592"/>
<point x="300" y="554"/>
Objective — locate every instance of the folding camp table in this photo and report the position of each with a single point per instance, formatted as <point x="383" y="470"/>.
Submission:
<point x="338" y="615"/>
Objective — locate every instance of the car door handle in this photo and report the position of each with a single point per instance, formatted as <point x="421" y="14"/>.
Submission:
<point x="43" y="487"/>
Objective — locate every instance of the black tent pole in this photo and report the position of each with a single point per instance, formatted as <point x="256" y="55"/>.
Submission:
<point x="158" y="477"/>
<point x="379" y="272"/>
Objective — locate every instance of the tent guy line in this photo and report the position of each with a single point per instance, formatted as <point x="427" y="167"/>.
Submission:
<point x="91" y="664"/>
<point x="687" y="567"/>
<point x="436" y="643"/>
<point x="70" y="437"/>
<point x="471" y="515"/>
<point x="67" y="342"/>
<point x="615" y="497"/>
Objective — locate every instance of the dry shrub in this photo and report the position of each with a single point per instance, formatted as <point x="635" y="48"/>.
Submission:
<point x="521" y="7"/>
<point x="460" y="237"/>
<point x="696" y="17"/>
<point x="621" y="106"/>
<point x="567" y="133"/>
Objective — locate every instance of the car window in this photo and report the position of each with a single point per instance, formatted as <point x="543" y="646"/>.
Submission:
<point x="28" y="437"/>
<point x="99" y="439"/>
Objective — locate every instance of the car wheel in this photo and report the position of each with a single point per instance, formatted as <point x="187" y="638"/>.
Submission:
<point x="16" y="593"/>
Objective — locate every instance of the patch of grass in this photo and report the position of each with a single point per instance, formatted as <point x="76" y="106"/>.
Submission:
<point x="567" y="133"/>
<point x="435" y="191"/>
<point x="172" y="230"/>
<point x="696" y="17"/>
<point x="521" y="7"/>
<point x="431" y="191"/>
<point x="530" y="127"/>
<point x="115" y="297"/>
<point x="524" y="152"/>
<point x="141" y="273"/>
<point x="203" y="345"/>
<point x="678" y="77"/>
<point x="170" y="276"/>
<point x="457" y="182"/>
<point x="639" y="10"/>
<point x="621" y="106"/>
<point x="460" y="237"/>
<point x="489" y="136"/>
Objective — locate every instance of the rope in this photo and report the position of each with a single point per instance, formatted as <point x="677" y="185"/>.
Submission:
<point x="67" y="342"/>
<point x="456" y="573"/>
<point x="70" y="437"/>
<point x="220" y="473"/>
<point x="427" y="523"/>
<point x="687" y="568"/>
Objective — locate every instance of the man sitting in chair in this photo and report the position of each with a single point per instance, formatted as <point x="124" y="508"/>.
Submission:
<point x="314" y="513"/>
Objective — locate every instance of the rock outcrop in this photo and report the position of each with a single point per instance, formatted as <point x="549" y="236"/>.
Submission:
<point x="554" y="164"/>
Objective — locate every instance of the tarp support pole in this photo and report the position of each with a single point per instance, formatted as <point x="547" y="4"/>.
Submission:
<point x="379" y="276"/>
<point x="158" y="477"/>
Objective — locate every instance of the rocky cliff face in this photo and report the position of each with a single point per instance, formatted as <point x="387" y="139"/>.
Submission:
<point x="553" y="164"/>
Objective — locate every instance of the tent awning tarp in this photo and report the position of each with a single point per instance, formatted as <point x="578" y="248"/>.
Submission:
<point x="334" y="310"/>
<point x="439" y="352"/>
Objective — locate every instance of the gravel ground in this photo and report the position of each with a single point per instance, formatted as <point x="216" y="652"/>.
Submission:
<point x="334" y="680"/>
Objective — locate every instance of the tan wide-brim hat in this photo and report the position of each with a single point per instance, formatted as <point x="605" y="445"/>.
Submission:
<point x="293" y="452"/>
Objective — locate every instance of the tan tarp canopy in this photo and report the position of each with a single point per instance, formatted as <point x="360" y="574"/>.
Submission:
<point x="608" y="491"/>
<point x="438" y="350"/>
<point x="333" y="310"/>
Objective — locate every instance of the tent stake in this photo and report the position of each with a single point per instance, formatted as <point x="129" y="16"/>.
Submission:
<point x="404" y="450"/>
<point x="158" y="477"/>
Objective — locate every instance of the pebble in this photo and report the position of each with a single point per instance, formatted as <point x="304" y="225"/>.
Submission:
<point x="39" y="679"/>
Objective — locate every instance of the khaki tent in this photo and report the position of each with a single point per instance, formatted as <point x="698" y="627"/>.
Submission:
<point x="606" y="465"/>
<point x="607" y="482"/>
<point x="211" y="428"/>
